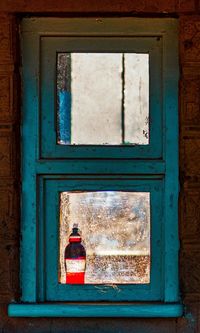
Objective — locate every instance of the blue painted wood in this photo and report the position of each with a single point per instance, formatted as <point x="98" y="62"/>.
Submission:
<point x="64" y="116"/>
<point x="29" y="155"/>
<point x="104" y="167"/>
<point x="96" y="310"/>
<point x="170" y="92"/>
<point x="40" y="280"/>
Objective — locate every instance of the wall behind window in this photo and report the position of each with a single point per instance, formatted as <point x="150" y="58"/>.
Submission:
<point x="188" y="13"/>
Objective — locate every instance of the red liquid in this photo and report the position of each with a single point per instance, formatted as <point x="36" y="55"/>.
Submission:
<point x="75" y="278"/>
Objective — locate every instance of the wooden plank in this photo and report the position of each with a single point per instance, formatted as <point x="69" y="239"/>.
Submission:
<point x="98" y="26"/>
<point x="170" y="88"/>
<point x="112" y="167"/>
<point x="96" y="310"/>
<point x="29" y="154"/>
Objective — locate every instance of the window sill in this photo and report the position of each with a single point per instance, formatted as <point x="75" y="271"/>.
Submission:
<point x="96" y="310"/>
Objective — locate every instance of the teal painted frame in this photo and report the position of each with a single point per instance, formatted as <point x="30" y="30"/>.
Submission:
<point x="50" y="46"/>
<point x="96" y="310"/>
<point x="34" y="168"/>
<point x="127" y="292"/>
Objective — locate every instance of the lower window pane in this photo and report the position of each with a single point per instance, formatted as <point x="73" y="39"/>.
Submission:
<point x="104" y="237"/>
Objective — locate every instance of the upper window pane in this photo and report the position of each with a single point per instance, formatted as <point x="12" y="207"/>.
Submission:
<point x="102" y="98"/>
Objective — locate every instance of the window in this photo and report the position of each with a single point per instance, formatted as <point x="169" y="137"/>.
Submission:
<point x="99" y="149"/>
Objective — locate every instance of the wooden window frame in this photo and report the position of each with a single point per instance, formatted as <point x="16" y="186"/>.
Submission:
<point x="48" y="168"/>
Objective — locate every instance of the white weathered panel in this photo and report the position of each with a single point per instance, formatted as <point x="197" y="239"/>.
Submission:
<point x="103" y="98"/>
<point x="136" y="102"/>
<point x="96" y="98"/>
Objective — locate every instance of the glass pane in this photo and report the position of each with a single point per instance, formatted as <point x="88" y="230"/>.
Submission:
<point x="136" y="101"/>
<point x="105" y="237"/>
<point x="102" y="98"/>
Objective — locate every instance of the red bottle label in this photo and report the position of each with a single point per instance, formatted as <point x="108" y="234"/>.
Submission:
<point x="75" y="270"/>
<point x="74" y="239"/>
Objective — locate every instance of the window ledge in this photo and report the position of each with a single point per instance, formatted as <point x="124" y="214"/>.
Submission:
<point x="96" y="310"/>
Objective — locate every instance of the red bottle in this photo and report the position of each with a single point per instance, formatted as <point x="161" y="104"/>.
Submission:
<point x="75" y="258"/>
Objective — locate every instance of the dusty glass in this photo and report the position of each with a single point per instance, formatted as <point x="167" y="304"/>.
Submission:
<point x="115" y="230"/>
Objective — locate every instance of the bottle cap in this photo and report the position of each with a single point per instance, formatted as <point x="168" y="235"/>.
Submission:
<point x="75" y="236"/>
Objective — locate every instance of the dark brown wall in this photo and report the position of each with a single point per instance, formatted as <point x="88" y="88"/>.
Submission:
<point x="188" y="12"/>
